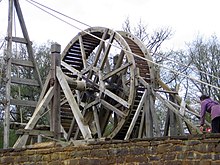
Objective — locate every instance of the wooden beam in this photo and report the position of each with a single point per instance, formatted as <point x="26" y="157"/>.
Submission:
<point x="34" y="132"/>
<point x="26" y="103"/>
<point x="84" y="128"/>
<point x="18" y="40"/>
<point x="153" y="113"/>
<point x="114" y="72"/>
<point x="136" y="115"/>
<point x="100" y="47"/>
<point x="8" y="77"/>
<point x="116" y="98"/>
<point x="25" y="81"/>
<point x="70" y="68"/>
<point x="83" y="53"/>
<point x="112" y="108"/>
<point x="105" y="56"/>
<point x="35" y="117"/>
<point x="97" y="123"/>
<point x="176" y="112"/>
<point x="24" y="63"/>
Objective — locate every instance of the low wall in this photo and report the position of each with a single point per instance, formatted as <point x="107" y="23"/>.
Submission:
<point x="201" y="150"/>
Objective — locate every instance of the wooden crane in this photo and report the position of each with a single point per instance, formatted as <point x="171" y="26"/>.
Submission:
<point x="104" y="85"/>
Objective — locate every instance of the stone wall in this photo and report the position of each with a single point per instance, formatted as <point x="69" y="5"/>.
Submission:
<point x="191" y="150"/>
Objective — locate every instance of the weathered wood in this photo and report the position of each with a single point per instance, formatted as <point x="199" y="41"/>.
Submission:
<point x="8" y="77"/>
<point x="148" y="116"/>
<point x="73" y="104"/>
<point x="17" y="40"/>
<point x="176" y="112"/>
<point x="100" y="48"/>
<point x="153" y="112"/>
<point x="83" y="53"/>
<point x="112" y="108"/>
<point x="26" y="103"/>
<point x="116" y="98"/>
<point x="25" y="81"/>
<point x="29" y="43"/>
<point x="97" y="123"/>
<point x="34" y="132"/>
<point x="106" y="53"/>
<point x="55" y="121"/>
<point x="116" y="71"/>
<point x="24" y="63"/>
<point x="136" y="115"/>
<point x="73" y="70"/>
<point x="21" y="141"/>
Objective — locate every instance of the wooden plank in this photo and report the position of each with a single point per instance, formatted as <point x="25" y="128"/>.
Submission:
<point x="27" y="103"/>
<point x="73" y="104"/>
<point x="136" y="115"/>
<point x="112" y="108"/>
<point x="18" y="40"/>
<point x="153" y="113"/>
<point x="100" y="48"/>
<point x="55" y="120"/>
<point x="107" y="49"/>
<point x="114" y="72"/>
<point x="34" y="132"/>
<point x="148" y="116"/>
<point x="140" y="132"/>
<point x="97" y="123"/>
<point x="71" y="128"/>
<point x="24" y="63"/>
<point x="21" y="141"/>
<point x="25" y="81"/>
<point x="8" y="77"/>
<point x="176" y="112"/>
<point x="83" y="53"/>
<point x="67" y="66"/>
<point x="116" y="98"/>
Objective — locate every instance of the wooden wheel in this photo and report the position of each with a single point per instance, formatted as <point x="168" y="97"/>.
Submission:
<point x="108" y="69"/>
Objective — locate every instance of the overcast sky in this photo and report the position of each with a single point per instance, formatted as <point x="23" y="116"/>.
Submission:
<point x="186" y="18"/>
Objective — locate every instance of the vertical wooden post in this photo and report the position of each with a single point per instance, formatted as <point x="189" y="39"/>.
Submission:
<point x="8" y="77"/>
<point x="55" y="106"/>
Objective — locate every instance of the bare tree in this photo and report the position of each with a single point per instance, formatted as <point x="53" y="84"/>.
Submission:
<point x="154" y="40"/>
<point x="205" y="56"/>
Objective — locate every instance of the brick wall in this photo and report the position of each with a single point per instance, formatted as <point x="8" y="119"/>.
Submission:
<point x="191" y="150"/>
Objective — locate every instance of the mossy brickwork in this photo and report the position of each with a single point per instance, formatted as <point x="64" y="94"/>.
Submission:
<point x="187" y="150"/>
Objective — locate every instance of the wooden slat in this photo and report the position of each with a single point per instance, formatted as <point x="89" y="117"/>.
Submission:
<point x="22" y="62"/>
<point x="34" y="132"/>
<point x="18" y="40"/>
<point x="26" y="103"/>
<point x="24" y="81"/>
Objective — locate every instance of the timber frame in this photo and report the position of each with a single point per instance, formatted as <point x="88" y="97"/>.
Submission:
<point x="93" y="92"/>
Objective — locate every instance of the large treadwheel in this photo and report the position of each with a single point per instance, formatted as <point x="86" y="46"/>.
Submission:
<point x="108" y="68"/>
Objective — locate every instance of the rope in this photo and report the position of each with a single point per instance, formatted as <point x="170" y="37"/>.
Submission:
<point x="32" y="2"/>
<point x="191" y="67"/>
